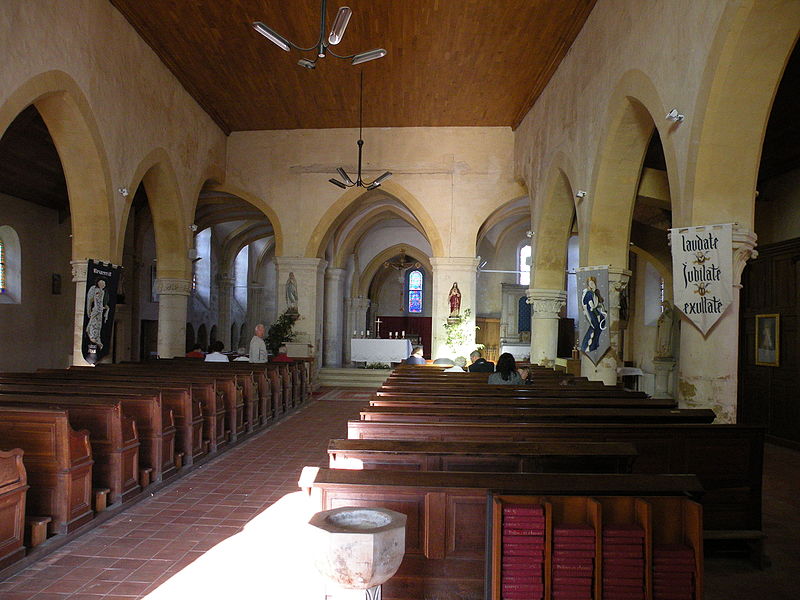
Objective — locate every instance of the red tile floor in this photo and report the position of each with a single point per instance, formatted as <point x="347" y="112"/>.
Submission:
<point x="234" y="528"/>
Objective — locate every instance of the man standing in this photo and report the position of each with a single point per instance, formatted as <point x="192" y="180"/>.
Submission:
<point x="480" y="364"/>
<point x="258" y="349"/>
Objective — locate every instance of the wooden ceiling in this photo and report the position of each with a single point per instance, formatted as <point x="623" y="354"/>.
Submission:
<point x="449" y="62"/>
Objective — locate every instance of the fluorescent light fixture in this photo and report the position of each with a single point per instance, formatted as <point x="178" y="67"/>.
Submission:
<point x="339" y="25"/>
<point x="308" y="64"/>
<point x="339" y="183"/>
<point x="271" y="35"/>
<point x="368" y="55"/>
<point x="343" y="174"/>
<point x="383" y="177"/>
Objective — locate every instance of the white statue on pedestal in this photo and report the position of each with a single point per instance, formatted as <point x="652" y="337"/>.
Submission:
<point x="666" y="323"/>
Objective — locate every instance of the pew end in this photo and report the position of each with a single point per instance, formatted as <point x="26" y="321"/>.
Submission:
<point x="37" y="529"/>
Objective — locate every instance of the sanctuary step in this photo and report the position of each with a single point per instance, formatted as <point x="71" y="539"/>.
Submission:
<point x="366" y="378"/>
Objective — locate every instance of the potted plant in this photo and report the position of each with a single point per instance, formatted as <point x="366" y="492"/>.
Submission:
<point x="281" y="331"/>
<point x="456" y="331"/>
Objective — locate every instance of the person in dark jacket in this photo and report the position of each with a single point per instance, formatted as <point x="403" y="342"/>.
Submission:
<point x="480" y="364"/>
<point x="416" y="357"/>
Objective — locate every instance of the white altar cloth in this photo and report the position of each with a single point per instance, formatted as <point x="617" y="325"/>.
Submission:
<point x="385" y="351"/>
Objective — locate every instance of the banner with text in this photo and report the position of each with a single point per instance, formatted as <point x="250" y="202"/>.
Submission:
<point x="702" y="272"/>
<point x="101" y="300"/>
<point x="593" y="325"/>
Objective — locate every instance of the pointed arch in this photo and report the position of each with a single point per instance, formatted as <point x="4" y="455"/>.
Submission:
<point x="754" y="42"/>
<point x="352" y="199"/>
<point x="73" y="128"/>
<point x="157" y="174"/>
<point x="361" y="285"/>
<point x="619" y="166"/>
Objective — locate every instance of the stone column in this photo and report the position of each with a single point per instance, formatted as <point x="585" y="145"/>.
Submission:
<point x="255" y="310"/>
<point x="79" y="272"/>
<point x="546" y="307"/>
<point x="606" y="369"/>
<point x="173" y="295"/>
<point x="708" y="369"/>
<point x="224" y="296"/>
<point x="445" y="272"/>
<point x="356" y="320"/>
<point x="309" y="273"/>
<point x="332" y="329"/>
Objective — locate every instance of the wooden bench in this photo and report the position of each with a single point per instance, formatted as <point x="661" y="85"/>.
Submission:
<point x="447" y="515"/>
<point x="58" y="463"/>
<point x="728" y="459"/>
<point x="436" y="414"/>
<point x="505" y="390"/>
<point x="13" y="486"/>
<point x="538" y="401"/>
<point x="187" y="412"/>
<point x="113" y="437"/>
<point x="155" y="423"/>
<point x="516" y="457"/>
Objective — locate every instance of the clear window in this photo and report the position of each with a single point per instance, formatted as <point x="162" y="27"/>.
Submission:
<point x="524" y="265"/>
<point x="2" y="267"/>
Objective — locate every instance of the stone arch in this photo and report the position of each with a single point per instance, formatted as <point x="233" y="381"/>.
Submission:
<point x="361" y="285"/>
<point x="73" y="128"/>
<point x="255" y="201"/>
<point x="350" y="201"/>
<point x="618" y="168"/>
<point x="663" y="270"/>
<point x="369" y="220"/>
<point x="553" y="231"/>
<point x="754" y="41"/>
<point x="172" y="233"/>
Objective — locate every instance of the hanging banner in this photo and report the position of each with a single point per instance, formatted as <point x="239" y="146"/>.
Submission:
<point x="702" y="272"/>
<point x="102" y="280"/>
<point x="593" y="325"/>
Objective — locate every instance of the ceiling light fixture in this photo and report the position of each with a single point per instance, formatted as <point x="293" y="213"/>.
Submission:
<point x="322" y="47"/>
<point x="348" y="183"/>
<point x="674" y="116"/>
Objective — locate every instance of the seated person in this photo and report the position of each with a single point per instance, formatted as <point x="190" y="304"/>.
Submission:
<point x="242" y="352"/>
<point x="444" y="361"/>
<point x="461" y="362"/>
<point x="506" y="373"/>
<point x="216" y="354"/>
<point x="480" y="364"/>
<point x="281" y="356"/>
<point x="197" y="352"/>
<point x="416" y="357"/>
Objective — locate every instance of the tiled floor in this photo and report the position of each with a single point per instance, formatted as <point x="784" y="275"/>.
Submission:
<point x="233" y="529"/>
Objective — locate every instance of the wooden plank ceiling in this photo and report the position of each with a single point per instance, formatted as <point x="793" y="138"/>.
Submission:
<point x="449" y="62"/>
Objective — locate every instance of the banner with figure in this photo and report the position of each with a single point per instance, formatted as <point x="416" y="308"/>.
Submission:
<point x="702" y="272"/>
<point x="102" y="280"/>
<point x="592" y="284"/>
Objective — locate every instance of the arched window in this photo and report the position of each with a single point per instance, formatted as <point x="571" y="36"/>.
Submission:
<point x="10" y="266"/>
<point x="415" y="283"/>
<point x="524" y="265"/>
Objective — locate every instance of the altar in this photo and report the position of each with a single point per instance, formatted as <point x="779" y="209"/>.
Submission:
<point x="378" y="350"/>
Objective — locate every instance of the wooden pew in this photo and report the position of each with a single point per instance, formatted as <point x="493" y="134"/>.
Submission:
<point x="503" y="457"/>
<point x="13" y="487"/>
<point x="481" y="390"/>
<point x="203" y="391"/>
<point x="437" y="414"/>
<point x="728" y="459"/>
<point x="58" y="462"/>
<point x="539" y="401"/>
<point x="447" y="515"/>
<point x="113" y="437"/>
<point x="154" y="422"/>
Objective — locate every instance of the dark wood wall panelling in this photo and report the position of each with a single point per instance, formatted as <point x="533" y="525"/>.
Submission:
<point x="769" y="395"/>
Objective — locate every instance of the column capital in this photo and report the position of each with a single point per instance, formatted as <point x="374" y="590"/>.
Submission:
<point x="173" y="287"/>
<point x="744" y="249"/>
<point x="80" y="270"/>
<point x="224" y="280"/>
<point x="546" y="304"/>
<point x="300" y="264"/>
<point x="333" y="275"/>
<point x="455" y="263"/>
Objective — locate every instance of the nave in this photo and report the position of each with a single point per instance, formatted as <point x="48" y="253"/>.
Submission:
<point x="234" y="527"/>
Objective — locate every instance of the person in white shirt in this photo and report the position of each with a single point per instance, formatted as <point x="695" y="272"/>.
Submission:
<point x="461" y="362"/>
<point x="216" y="354"/>
<point x="258" y="349"/>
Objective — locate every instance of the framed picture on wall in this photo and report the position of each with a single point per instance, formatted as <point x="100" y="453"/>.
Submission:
<point x="768" y="345"/>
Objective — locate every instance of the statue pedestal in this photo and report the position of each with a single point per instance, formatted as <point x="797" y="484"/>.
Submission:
<point x="299" y="350"/>
<point x="663" y="384"/>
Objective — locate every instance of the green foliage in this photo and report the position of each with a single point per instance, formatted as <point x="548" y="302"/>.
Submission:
<point x="281" y="331"/>
<point x="455" y="331"/>
<point x="377" y="365"/>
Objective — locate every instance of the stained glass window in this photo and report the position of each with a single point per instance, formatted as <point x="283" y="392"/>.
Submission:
<point x="2" y="268"/>
<point x="415" y="291"/>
